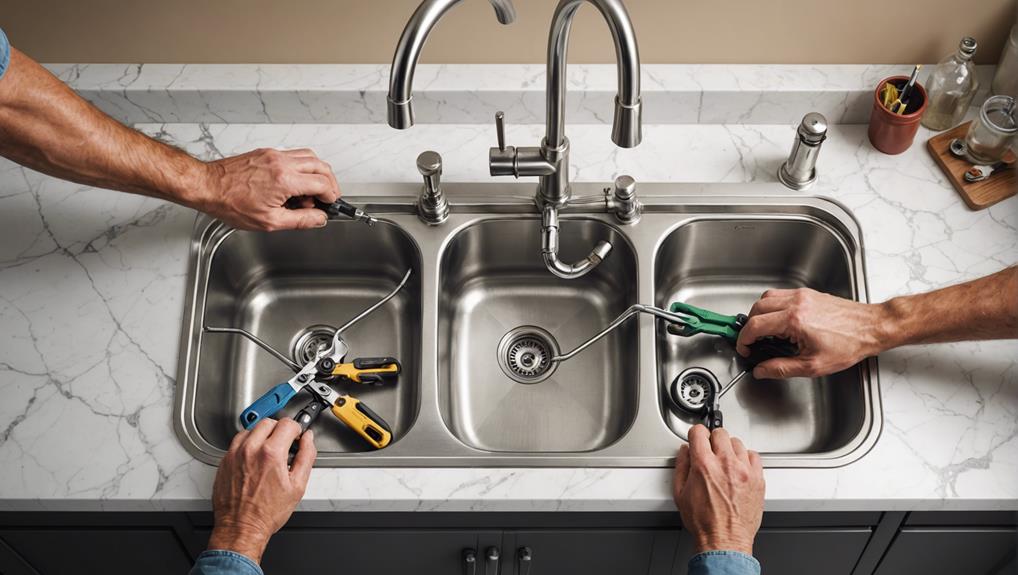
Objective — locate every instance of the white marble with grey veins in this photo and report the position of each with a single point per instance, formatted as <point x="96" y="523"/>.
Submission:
<point x="92" y="287"/>
<point x="467" y="94"/>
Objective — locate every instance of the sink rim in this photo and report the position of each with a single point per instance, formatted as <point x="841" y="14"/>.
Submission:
<point x="429" y="444"/>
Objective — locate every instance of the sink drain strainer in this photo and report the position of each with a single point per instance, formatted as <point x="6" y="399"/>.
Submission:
<point x="526" y="354"/>
<point x="309" y="341"/>
<point x="691" y="389"/>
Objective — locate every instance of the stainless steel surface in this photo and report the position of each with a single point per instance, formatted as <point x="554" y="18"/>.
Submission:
<point x="404" y="62"/>
<point x="623" y="200"/>
<point x="799" y="170"/>
<point x="432" y="206"/>
<point x="275" y="286"/>
<point x="492" y="281"/>
<point x="550" y="249"/>
<point x="550" y="161"/>
<point x="627" y="124"/>
<point x="480" y="276"/>
<point x="724" y="265"/>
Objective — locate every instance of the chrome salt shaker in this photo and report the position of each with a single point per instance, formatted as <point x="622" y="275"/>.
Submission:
<point x="799" y="170"/>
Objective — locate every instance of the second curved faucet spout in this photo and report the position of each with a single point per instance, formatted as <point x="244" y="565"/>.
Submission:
<point x="400" y="108"/>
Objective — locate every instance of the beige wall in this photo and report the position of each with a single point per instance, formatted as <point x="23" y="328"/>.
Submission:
<point x="365" y="31"/>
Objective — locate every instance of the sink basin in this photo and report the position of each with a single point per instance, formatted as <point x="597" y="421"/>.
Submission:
<point x="279" y="287"/>
<point x="724" y="265"/>
<point x="493" y="280"/>
<point x="481" y="317"/>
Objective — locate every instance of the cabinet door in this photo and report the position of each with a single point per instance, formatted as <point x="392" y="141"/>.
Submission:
<point x="581" y="552"/>
<point x="57" y="552"/>
<point x="794" y="551"/>
<point x="949" y="551"/>
<point x="373" y="551"/>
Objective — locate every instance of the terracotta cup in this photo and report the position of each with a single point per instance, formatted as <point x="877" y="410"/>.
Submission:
<point x="891" y="133"/>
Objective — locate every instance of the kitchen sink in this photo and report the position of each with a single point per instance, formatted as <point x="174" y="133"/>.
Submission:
<point x="724" y="265"/>
<point x="481" y="317"/>
<point x="287" y="289"/>
<point x="493" y="281"/>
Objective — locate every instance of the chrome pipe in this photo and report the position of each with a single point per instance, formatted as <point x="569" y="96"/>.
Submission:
<point x="400" y="109"/>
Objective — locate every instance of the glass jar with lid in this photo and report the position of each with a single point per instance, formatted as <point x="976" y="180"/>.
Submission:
<point x="990" y="134"/>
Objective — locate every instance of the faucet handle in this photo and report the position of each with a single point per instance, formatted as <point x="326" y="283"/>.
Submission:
<point x="429" y="164"/>
<point x="500" y="129"/>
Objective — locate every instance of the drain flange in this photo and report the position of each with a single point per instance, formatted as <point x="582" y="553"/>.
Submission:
<point x="309" y="341"/>
<point x="526" y="354"/>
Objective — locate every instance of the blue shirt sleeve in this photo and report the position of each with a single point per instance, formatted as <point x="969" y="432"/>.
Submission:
<point x="218" y="562"/>
<point x="723" y="563"/>
<point x="5" y="53"/>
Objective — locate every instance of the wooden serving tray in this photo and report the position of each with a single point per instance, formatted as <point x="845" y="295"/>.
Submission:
<point x="977" y="195"/>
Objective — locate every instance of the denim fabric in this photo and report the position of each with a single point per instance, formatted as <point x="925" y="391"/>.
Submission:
<point x="723" y="563"/>
<point x="5" y="53"/>
<point x="224" y="563"/>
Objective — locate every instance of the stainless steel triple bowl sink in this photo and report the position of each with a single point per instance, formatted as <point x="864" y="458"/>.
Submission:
<point x="480" y="309"/>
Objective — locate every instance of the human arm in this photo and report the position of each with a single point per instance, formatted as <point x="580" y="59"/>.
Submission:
<point x="833" y="333"/>
<point x="45" y="126"/>
<point x="719" y="490"/>
<point x="254" y="495"/>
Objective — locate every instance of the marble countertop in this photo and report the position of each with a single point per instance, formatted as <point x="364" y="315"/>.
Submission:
<point x="92" y="288"/>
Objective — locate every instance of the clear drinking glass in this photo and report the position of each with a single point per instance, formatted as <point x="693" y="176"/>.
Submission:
<point x="990" y="134"/>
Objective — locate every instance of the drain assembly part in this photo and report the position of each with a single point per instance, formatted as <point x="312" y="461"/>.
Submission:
<point x="696" y="390"/>
<point x="526" y="354"/>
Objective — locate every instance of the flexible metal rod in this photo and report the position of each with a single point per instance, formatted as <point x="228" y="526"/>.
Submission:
<point x="281" y="357"/>
<point x="378" y="304"/>
<point x="631" y="311"/>
<point x="272" y="351"/>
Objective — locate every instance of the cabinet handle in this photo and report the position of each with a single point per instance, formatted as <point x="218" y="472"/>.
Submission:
<point x="491" y="557"/>
<point x="524" y="559"/>
<point x="469" y="562"/>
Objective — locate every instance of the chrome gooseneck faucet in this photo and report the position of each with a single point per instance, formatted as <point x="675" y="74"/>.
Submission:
<point x="549" y="161"/>
<point x="400" y="109"/>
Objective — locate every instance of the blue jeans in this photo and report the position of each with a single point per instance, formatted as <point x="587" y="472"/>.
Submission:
<point x="5" y="53"/>
<point x="224" y="563"/>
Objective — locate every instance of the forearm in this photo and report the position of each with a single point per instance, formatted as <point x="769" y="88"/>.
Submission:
<point x="986" y="308"/>
<point x="46" y="126"/>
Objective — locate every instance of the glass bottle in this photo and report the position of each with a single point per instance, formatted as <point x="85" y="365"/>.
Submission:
<point x="951" y="88"/>
<point x="1005" y="81"/>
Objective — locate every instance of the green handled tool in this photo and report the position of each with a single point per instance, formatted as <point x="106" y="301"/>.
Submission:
<point x="698" y="320"/>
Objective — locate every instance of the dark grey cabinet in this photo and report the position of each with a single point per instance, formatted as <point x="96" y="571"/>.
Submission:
<point x="832" y="543"/>
<point x="582" y="551"/>
<point x="61" y="551"/>
<point x="375" y="551"/>
<point x="795" y="551"/>
<point x="951" y="551"/>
